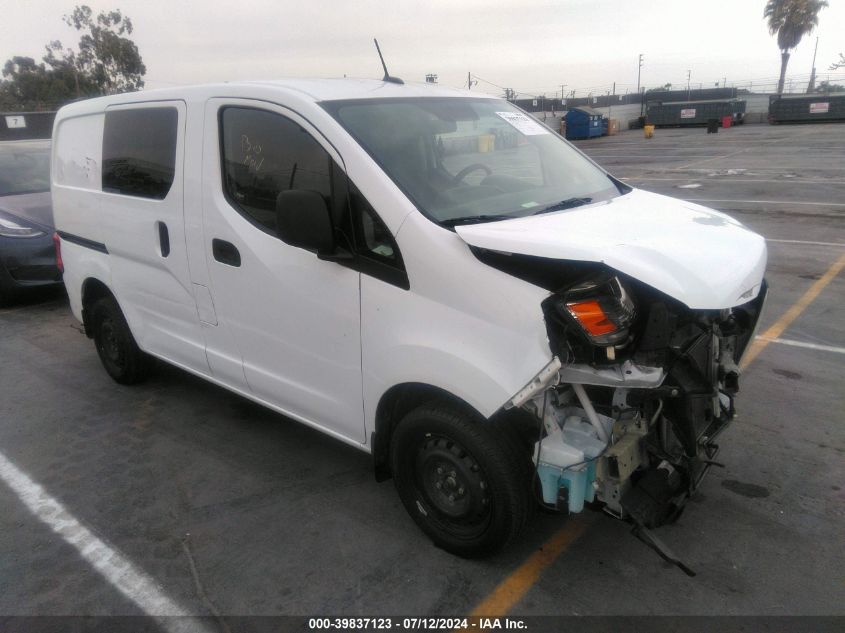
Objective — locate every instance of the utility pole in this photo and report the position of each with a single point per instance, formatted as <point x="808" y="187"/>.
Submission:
<point x="469" y="80"/>
<point x="812" y="84"/>
<point x="639" y="72"/>
<point x="562" y="94"/>
<point x="689" y="74"/>
<point x="609" y="104"/>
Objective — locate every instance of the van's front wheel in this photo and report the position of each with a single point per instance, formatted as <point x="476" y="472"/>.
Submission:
<point x="120" y="355"/>
<point x="459" y="480"/>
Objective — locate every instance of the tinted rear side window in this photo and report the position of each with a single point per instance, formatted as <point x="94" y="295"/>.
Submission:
<point x="139" y="152"/>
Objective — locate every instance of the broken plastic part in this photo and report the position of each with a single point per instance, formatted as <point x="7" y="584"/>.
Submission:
<point x="544" y="378"/>
<point x="648" y="537"/>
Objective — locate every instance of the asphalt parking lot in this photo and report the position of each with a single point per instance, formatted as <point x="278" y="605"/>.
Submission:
<point x="231" y="509"/>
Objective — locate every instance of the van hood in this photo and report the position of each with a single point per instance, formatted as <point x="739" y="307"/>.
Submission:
<point x="703" y="258"/>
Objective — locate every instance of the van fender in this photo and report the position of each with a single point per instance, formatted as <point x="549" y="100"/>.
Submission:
<point x="83" y="266"/>
<point x="456" y="381"/>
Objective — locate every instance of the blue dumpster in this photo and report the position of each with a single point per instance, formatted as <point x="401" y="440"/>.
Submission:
<point x="583" y="122"/>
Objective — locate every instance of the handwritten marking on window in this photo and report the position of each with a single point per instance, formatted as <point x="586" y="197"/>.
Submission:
<point x="251" y="152"/>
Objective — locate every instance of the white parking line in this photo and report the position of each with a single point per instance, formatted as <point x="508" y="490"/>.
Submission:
<point x="786" y="341"/>
<point x="119" y="571"/>
<point x="837" y="244"/>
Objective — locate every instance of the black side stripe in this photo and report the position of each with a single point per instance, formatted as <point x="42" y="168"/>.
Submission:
<point x="81" y="241"/>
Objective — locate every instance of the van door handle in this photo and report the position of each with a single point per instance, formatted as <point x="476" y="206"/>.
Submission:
<point x="225" y="252"/>
<point x="163" y="239"/>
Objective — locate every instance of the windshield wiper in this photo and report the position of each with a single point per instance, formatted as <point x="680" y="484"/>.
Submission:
<point x="569" y="203"/>
<point x="475" y="219"/>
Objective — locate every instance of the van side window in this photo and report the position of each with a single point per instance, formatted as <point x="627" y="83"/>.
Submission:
<point x="372" y="238"/>
<point x="375" y="249"/>
<point x="139" y="151"/>
<point x="264" y="154"/>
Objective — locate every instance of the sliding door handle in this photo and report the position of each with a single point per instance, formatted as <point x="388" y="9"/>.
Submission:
<point x="163" y="239"/>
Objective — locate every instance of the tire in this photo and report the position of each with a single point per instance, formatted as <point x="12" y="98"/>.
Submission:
<point x="460" y="480"/>
<point x="118" y="351"/>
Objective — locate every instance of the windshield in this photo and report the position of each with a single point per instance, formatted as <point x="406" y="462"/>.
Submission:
<point x="463" y="160"/>
<point x="24" y="167"/>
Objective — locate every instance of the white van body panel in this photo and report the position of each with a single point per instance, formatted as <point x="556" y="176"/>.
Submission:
<point x="87" y="264"/>
<point x="478" y="345"/>
<point x="155" y="289"/>
<point x="76" y="174"/>
<point x="295" y="319"/>
<point x="705" y="259"/>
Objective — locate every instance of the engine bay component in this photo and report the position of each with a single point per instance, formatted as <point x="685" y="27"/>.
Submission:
<point x="634" y="429"/>
<point x="622" y="374"/>
<point x="565" y="457"/>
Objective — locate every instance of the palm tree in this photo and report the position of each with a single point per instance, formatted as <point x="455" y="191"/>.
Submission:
<point x="791" y="20"/>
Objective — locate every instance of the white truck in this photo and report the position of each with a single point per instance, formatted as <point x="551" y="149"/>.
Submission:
<point x="429" y="275"/>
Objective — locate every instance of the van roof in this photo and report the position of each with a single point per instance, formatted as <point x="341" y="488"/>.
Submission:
<point x="311" y="89"/>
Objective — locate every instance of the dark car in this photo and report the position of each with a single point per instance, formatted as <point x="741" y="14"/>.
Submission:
<point x="27" y="252"/>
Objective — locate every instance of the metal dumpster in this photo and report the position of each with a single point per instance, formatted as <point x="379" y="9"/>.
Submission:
<point x="583" y="122"/>
<point x="685" y="113"/>
<point x="795" y="108"/>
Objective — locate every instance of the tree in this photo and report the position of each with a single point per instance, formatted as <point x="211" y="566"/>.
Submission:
<point x="791" y="20"/>
<point x="826" y="87"/>
<point x="106" y="62"/>
<point x="109" y="59"/>
<point x="839" y="64"/>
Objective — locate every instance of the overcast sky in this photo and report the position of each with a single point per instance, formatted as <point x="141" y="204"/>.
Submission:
<point x="531" y="46"/>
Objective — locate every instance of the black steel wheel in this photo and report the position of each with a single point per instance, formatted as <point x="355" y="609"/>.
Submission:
<point x="459" y="479"/>
<point x="118" y="351"/>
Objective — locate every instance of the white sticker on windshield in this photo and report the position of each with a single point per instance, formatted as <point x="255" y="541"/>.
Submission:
<point x="524" y="124"/>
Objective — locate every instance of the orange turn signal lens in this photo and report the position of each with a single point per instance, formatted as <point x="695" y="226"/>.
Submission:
<point x="591" y="317"/>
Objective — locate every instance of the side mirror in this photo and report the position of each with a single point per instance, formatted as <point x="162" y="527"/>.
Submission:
<point x="303" y="219"/>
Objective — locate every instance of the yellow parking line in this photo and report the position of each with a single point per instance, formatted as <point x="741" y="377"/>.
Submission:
<point x="516" y="585"/>
<point x="793" y="313"/>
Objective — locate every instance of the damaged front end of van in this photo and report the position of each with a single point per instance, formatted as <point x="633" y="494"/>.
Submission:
<point x="647" y="339"/>
<point x="639" y="390"/>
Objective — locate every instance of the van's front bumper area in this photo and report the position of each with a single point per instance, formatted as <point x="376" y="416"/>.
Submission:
<point x="659" y="439"/>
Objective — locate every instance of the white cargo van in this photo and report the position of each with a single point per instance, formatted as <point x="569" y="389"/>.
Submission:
<point x="429" y="275"/>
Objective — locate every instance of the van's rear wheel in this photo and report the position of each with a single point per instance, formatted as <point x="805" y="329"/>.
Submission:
<point x="120" y="355"/>
<point x="459" y="480"/>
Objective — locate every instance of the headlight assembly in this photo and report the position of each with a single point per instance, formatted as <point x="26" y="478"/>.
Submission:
<point x="11" y="228"/>
<point x="601" y="307"/>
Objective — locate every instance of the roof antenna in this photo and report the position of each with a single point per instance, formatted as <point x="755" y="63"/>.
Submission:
<point x="387" y="77"/>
